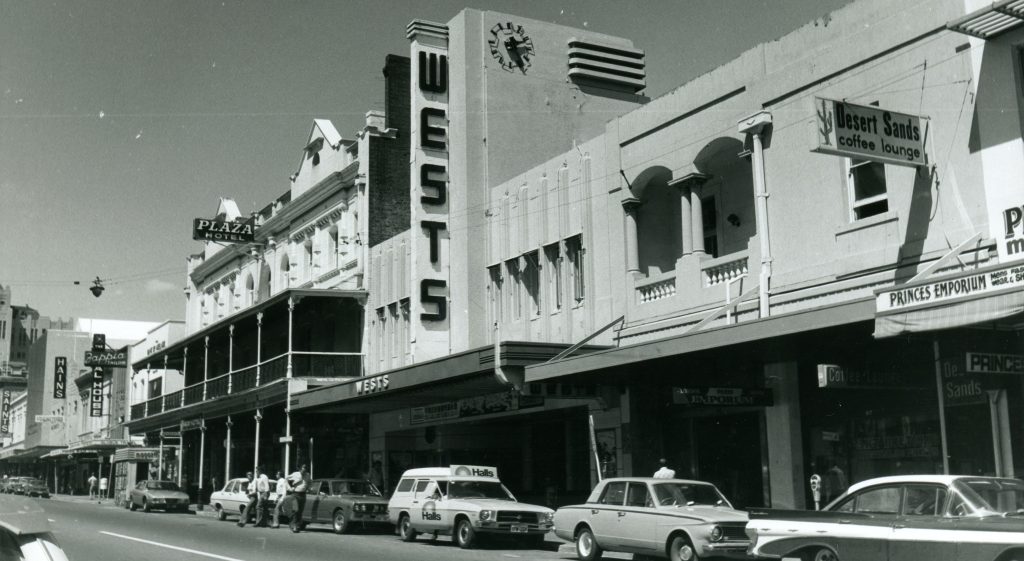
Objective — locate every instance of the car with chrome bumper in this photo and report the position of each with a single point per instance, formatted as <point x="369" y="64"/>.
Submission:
<point x="901" y="518"/>
<point x="160" y="495"/>
<point x="464" y="502"/>
<point x="678" y="519"/>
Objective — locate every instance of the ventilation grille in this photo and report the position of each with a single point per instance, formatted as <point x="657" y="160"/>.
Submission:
<point x="617" y="68"/>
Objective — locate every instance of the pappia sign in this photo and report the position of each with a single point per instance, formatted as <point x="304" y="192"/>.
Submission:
<point x="869" y="133"/>
<point x="222" y="231"/>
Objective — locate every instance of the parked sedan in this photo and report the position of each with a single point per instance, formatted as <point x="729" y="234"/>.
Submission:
<point x="910" y="517"/>
<point x="676" y="518"/>
<point x="34" y="488"/>
<point x="165" y="495"/>
<point x="10" y="485"/>
<point x="343" y="503"/>
<point x="232" y="498"/>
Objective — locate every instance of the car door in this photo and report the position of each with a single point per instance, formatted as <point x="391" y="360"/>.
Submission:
<point x="638" y="520"/>
<point x="428" y="506"/>
<point x="314" y="497"/>
<point x="923" y="531"/>
<point x="865" y="533"/>
<point x="604" y="516"/>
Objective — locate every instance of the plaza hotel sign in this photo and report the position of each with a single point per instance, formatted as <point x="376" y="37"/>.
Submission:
<point x="870" y="133"/>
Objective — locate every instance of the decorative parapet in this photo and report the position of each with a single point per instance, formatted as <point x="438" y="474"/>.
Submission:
<point x="724" y="269"/>
<point x="657" y="288"/>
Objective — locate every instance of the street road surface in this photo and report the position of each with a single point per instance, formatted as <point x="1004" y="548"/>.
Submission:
<point x="92" y="532"/>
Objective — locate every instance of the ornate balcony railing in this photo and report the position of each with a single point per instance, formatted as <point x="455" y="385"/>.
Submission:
<point x="725" y="268"/>
<point x="656" y="288"/>
<point x="322" y="365"/>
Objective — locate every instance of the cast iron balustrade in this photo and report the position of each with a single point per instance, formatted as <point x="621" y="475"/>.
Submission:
<point x="217" y="387"/>
<point x="172" y="400"/>
<point x="321" y="365"/>
<point x="193" y="394"/>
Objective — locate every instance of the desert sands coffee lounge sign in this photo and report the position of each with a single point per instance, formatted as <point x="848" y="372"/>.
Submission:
<point x="870" y="133"/>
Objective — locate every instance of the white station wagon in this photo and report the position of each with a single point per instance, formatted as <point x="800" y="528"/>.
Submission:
<point x="463" y="501"/>
<point x="232" y="498"/>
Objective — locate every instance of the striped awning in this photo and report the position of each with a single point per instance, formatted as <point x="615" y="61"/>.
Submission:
<point x="990" y="21"/>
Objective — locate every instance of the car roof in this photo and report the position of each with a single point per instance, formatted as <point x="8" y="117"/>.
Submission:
<point x="920" y="478"/>
<point x="21" y="515"/>
<point x="655" y="480"/>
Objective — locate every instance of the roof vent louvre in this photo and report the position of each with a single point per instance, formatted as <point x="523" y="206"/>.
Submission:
<point x="606" y="66"/>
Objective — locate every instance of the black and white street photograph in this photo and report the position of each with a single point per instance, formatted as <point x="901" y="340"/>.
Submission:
<point x="445" y="280"/>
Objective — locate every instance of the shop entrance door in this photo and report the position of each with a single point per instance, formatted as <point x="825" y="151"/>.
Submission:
<point x="978" y="437"/>
<point x="728" y="450"/>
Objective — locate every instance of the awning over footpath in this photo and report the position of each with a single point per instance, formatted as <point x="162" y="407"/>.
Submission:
<point x="972" y="297"/>
<point x="463" y="375"/>
<point x="756" y="330"/>
<point x="137" y="455"/>
<point x="92" y="446"/>
<point x="10" y="452"/>
<point x="35" y="452"/>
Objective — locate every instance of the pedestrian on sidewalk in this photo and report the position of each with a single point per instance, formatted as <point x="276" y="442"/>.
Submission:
<point x="664" y="472"/>
<point x="103" y="488"/>
<point x="262" y="498"/>
<point x="300" y="483"/>
<point x="283" y="490"/>
<point x="92" y="486"/>
<point x="250" y="492"/>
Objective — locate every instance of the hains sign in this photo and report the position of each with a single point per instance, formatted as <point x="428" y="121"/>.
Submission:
<point x="870" y="133"/>
<point x="211" y="230"/>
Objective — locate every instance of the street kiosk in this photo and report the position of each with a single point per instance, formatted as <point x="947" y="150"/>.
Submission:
<point x="131" y="465"/>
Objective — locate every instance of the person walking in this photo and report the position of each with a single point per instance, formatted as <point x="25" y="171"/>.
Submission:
<point x="92" y="486"/>
<point x="300" y="483"/>
<point x="282" y="489"/>
<point x="262" y="496"/>
<point x="250" y="493"/>
<point x="664" y="472"/>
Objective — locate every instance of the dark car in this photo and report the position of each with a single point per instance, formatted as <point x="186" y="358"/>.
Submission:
<point x="343" y="503"/>
<point x="162" y="495"/>
<point x="901" y="518"/>
<point x="34" y="488"/>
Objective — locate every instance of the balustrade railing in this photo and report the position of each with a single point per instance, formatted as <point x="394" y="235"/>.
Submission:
<point x="324" y="365"/>
<point x="725" y="268"/>
<point x="657" y="288"/>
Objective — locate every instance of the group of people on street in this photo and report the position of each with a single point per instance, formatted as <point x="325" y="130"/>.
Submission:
<point x="258" y="491"/>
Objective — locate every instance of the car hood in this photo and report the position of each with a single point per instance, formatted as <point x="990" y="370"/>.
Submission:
<point x="496" y="504"/>
<point x="707" y="513"/>
<point x="166" y="494"/>
<point x="362" y="499"/>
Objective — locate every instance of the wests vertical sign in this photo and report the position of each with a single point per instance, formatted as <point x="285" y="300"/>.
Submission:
<point x="429" y="177"/>
<point x="60" y="377"/>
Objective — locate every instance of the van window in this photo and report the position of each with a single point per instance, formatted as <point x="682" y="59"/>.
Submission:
<point x="421" y="485"/>
<point x="404" y="486"/>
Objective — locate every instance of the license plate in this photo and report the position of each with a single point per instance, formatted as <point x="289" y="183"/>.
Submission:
<point x="520" y="528"/>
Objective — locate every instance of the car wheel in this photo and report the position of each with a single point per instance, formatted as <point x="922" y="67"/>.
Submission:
<point x="222" y="515"/>
<point x="587" y="548"/>
<point x="145" y="506"/>
<point x="340" y="522"/>
<point x="131" y="505"/>
<point x="820" y="554"/>
<point x="465" y="535"/>
<point x="682" y="550"/>
<point x="405" y="529"/>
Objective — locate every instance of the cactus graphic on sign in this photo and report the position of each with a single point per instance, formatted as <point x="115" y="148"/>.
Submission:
<point x="825" y="122"/>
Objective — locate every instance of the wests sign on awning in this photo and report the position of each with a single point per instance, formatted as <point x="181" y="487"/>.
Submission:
<point x="869" y="133"/>
<point x="210" y="230"/>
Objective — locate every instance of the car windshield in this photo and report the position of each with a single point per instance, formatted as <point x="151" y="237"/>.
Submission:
<point x="1001" y="496"/>
<point x="162" y="486"/>
<point x="33" y="482"/>
<point x="684" y="494"/>
<point x="478" y="490"/>
<point x="353" y="488"/>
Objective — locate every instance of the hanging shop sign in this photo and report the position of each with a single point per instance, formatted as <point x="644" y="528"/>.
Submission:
<point x="5" y="413"/>
<point x="473" y="407"/>
<point x="60" y="377"/>
<point x="113" y="358"/>
<point x="193" y="424"/>
<point x="722" y="397"/>
<point x="170" y="434"/>
<point x="99" y="342"/>
<point x="836" y="376"/>
<point x="991" y="363"/>
<point x="949" y="289"/>
<point x="870" y="133"/>
<point x="96" y="393"/>
<point x="206" y="229"/>
<point x="1010" y="240"/>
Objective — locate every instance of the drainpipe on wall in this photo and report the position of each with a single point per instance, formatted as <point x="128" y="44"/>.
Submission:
<point x="757" y="125"/>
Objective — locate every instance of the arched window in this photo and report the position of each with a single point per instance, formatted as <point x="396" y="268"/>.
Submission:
<point x="265" y="280"/>
<point x="285" y="269"/>
<point x="726" y="198"/>
<point x="658" y="221"/>
<point x="332" y="247"/>
<point x="250" y="292"/>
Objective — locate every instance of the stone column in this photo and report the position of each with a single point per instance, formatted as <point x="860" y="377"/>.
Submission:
<point x="785" y="447"/>
<point x="692" y="183"/>
<point x="631" y="205"/>
<point x="685" y="212"/>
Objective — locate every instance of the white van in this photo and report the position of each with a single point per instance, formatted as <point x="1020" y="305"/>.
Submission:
<point x="463" y="501"/>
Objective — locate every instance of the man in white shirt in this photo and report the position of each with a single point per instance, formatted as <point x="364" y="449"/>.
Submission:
<point x="250" y="492"/>
<point x="300" y="483"/>
<point x="282" y="491"/>
<point x="664" y="472"/>
<point x="263" y="496"/>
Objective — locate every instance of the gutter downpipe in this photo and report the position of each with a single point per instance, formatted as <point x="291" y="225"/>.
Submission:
<point x="757" y="125"/>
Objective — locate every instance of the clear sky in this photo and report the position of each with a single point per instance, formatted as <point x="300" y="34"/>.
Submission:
<point x="122" y="120"/>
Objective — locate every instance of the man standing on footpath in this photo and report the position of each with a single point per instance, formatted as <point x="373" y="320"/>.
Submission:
<point x="250" y="492"/>
<point x="282" y="490"/>
<point x="92" y="486"/>
<point x="300" y="483"/>
<point x="263" y="495"/>
<point x="664" y="472"/>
